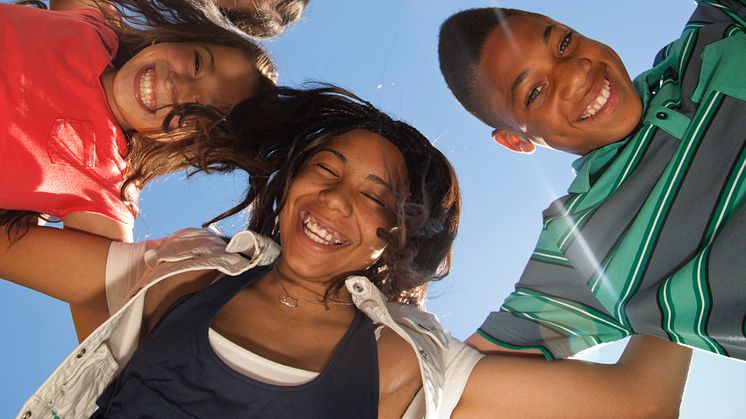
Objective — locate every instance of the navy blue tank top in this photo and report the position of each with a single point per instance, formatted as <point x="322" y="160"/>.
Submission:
<point x="175" y="373"/>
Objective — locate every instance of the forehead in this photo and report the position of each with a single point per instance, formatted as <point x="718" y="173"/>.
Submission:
<point x="369" y="152"/>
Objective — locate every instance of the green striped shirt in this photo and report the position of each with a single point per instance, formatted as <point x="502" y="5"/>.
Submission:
<point x="651" y="237"/>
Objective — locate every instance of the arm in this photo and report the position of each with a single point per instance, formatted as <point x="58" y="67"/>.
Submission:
<point x="87" y="320"/>
<point x="67" y="265"/>
<point x="98" y="225"/>
<point x="647" y="381"/>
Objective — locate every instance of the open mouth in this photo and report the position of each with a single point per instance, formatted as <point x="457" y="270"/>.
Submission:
<point x="599" y="102"/>
<point x="145" y="89"/>
<point x="320" y="233"/>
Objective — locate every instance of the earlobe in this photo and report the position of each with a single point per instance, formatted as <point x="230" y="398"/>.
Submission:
<point x="513" y="142"/>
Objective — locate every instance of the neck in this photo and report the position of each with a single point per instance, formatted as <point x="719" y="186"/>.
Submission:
<point x="296" y="295"/>
<point x="107" y="84"/>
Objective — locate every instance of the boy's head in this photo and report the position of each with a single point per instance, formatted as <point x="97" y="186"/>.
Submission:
<point x="536" y="81"/>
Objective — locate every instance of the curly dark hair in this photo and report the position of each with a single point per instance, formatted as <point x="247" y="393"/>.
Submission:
<point x="279" y="130"/>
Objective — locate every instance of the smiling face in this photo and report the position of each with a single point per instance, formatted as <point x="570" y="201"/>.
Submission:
<point x="141" y="93"/>
<point x="552" y="86"/>
<point x="338" y="200"/>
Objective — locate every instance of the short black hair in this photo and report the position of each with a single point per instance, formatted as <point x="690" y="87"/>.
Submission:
<point x="460" y="45"/>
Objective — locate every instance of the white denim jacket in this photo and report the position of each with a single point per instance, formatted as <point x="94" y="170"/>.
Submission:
<point x="72" y="389"/>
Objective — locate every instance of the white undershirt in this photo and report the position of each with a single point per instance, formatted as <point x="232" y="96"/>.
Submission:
<point x="254" y="366"/>
<point x="267" y="371"/>
<point x="259" y="368"/>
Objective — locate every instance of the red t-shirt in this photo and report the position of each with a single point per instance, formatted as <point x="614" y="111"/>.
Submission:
<point x="61" y="149"/>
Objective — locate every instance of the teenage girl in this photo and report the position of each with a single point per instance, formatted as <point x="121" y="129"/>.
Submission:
<point x="366" y="211"/>
<point x="83" y="111"/>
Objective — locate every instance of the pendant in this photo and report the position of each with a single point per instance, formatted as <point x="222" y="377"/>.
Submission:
<point x="289" y="301"/>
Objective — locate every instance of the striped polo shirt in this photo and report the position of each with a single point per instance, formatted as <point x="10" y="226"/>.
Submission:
<point x="651" y="237"/>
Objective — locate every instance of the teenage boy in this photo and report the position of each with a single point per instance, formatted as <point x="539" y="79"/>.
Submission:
<point x="651" y="237"/>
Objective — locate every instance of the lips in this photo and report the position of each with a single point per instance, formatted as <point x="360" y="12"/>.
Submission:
<point x="599" y="101"/>
<point x="145" y="85"/>
<point x="319" y="232"/>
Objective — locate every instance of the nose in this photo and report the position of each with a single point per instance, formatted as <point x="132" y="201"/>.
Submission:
<point x="336" y="198"/>
<point x="572" y="76"/>
<point x="184" y="89"/>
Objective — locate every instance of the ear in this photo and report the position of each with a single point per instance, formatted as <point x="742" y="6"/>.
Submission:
<point x="517" y="143"/>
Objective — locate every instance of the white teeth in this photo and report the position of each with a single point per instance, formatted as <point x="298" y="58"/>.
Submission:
<point x="146" y="89"/>
<point x="318" y="233"/>
<point x="600" y="101"/>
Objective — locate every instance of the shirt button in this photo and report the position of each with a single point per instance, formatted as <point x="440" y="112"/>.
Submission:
<point x="661" y="115"/>
<point x="423" y="354"/>
<point x="27" y="415"/>
<point x="357" y="288"/>
<point x="81" y="353"/>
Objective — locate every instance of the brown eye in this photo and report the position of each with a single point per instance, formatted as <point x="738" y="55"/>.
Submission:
<point x="534" y="94"/>
<point x="197" y="63"/>
<point x="565" y="42"/>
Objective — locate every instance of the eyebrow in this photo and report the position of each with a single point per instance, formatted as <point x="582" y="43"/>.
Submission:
<point x="377" y="180"/>
<point x="339" y="155"/>
<point x="547" y="33"/>
<point x="516" y="83"/>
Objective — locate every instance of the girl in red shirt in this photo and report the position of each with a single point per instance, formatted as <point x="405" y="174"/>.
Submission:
<point x="93" y="108"/>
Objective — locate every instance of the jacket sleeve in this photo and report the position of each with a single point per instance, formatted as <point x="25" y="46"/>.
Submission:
<point x="460" y="361"/>
<point x="125" y="265"/>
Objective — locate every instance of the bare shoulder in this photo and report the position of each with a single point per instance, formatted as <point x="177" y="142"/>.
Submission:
<point x="399" y="374"/>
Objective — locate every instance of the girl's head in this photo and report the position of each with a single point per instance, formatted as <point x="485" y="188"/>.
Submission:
<point x="143" y="91"/>
<point x="161" y="67"/>
<point x="346" y="189"/>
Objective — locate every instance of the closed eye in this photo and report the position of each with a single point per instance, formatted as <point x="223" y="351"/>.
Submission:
<point x="565" y="42"/>
<point x="326" y="169"/>
<point x="376" y="200"/>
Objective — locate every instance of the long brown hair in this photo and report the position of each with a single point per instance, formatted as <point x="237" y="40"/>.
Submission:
<point x="263" y="19"/>
<point x="274" y="133"/>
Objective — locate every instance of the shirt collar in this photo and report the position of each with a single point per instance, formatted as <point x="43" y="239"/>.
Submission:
<point x="591" y="165"/>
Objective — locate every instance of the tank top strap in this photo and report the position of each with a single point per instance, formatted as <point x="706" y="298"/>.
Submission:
<point x="204" y="305"/>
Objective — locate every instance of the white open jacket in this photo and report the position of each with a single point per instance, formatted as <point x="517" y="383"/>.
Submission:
<point x="72" y="389"/>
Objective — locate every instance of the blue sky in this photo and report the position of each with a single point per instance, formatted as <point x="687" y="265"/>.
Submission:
<point x="385" y="51"/>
